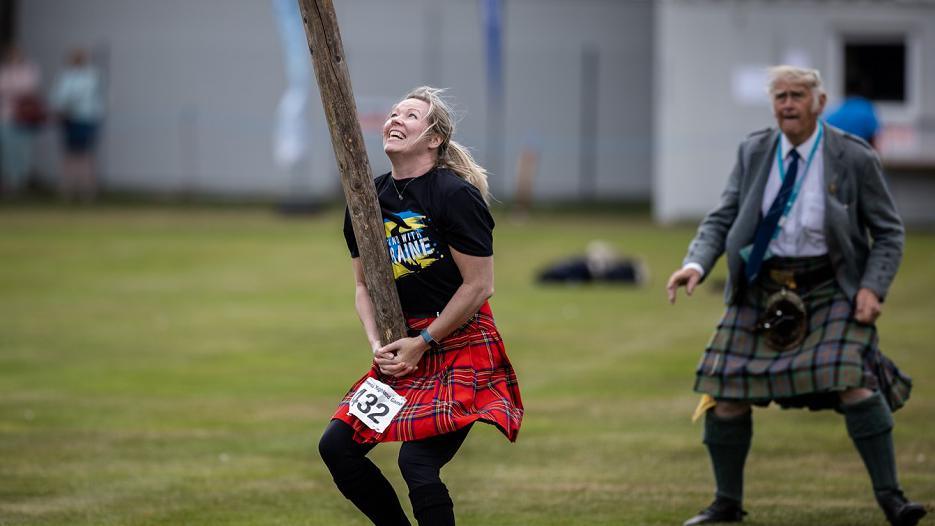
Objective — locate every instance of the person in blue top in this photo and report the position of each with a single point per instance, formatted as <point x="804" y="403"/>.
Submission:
<point x="856" y="114"/>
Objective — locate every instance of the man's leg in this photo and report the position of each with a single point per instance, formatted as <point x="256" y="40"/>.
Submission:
<point x="358" y="478"/>
<point x="870" y="424"/>
<point x="420" y="462"/>
<point x="727" y="434"/>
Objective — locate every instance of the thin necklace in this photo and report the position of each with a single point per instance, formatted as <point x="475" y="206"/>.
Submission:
<point x="398" y="191"/>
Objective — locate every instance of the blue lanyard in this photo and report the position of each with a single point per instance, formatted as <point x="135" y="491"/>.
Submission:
<point x="798" y="183"/>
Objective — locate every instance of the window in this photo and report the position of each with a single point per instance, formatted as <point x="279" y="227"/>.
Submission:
<point x="876" y="70"/>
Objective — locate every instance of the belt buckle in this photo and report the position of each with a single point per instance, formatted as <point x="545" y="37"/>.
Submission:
<point x="784" y="277"/>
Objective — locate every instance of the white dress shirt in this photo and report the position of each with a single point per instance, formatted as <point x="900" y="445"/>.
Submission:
<point x="803" y="233"/>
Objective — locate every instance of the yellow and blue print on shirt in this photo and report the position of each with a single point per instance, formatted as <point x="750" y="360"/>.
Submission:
<point x="411" y="246"/>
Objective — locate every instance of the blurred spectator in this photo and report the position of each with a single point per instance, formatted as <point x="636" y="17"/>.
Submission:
<point x="856" y="114"/>
<point x="21" y="115"/>
<point x="79" y="105"/>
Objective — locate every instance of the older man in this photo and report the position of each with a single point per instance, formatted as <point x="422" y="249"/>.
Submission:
<point x="806" y="285"/>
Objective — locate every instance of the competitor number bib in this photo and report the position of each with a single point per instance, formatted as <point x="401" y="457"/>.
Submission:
<point x="375" y="404"/>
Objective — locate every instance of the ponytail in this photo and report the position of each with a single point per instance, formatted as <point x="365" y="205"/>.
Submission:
<point x="451" y="155"/>
<point x="459" y="160"/>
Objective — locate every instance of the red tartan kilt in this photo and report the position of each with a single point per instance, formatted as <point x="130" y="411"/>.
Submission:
<point x="467" y="378"/>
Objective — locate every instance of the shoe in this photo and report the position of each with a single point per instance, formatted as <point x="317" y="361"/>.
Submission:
<point x="721" y="510"/>
<point x="900" y="511"/>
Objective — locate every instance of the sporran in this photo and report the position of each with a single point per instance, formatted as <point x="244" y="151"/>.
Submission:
<point x="784" y="321"/>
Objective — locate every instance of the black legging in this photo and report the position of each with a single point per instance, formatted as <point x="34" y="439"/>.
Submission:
<point x="420" y="462"/>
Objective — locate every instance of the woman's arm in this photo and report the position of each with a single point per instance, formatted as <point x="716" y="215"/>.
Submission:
<point x="364" y="306"/>
<point x="475" y="289"/>
<point x="384" y="359"/>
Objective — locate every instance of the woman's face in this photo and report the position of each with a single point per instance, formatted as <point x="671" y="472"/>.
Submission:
<point x="404" y="128"/>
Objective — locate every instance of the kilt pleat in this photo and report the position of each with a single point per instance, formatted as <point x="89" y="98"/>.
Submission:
<point x="466" y="378"/>
<point x="837" y="353"/>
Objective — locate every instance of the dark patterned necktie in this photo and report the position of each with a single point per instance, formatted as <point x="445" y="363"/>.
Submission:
<point x="767" y="226"/>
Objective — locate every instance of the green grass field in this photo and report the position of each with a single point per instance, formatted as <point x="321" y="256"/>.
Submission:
<point x="176" y="366"/>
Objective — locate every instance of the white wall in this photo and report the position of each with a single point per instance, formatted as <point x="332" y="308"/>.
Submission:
<point x="193" y="86"/>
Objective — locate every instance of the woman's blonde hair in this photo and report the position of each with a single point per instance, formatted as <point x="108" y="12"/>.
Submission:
<point x="451" y="155"/>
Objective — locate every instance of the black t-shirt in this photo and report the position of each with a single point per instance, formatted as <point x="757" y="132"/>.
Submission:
<point x="437" y="210"/>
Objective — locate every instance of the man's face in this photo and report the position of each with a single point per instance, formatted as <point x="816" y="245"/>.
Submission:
<point x="793" y="105"/>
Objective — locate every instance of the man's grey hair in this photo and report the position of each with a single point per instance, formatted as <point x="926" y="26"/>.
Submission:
<point x="811" y="78"/>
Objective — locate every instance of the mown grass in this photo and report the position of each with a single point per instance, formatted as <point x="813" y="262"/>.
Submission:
<point x="176" y="366"/>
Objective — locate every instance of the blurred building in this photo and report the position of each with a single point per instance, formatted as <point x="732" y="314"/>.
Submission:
<point x="619" y="100"/>
<point x="193" y="87"/>
<point x="711" y="57"/>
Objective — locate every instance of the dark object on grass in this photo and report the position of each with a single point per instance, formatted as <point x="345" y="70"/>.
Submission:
<point x="599" y="264"/>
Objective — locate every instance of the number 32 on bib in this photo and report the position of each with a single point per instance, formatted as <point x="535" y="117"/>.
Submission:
<point x="375" y="404"/>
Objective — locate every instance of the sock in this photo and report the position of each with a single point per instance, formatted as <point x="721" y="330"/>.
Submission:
<point x="728" y="441"/>
<point x="870" y="424"/>
<point x="432" y="505"/>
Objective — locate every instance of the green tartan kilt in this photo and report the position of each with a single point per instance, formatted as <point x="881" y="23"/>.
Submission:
<point x="837" y="353"/>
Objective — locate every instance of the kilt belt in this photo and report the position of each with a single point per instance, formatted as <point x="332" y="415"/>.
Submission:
<point x="797" y="273"/>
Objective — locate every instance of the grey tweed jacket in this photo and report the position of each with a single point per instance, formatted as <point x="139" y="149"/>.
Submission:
<point x="858" y="207"/>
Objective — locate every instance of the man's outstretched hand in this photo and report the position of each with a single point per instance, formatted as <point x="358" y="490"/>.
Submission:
<point x="685" y="277"/>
